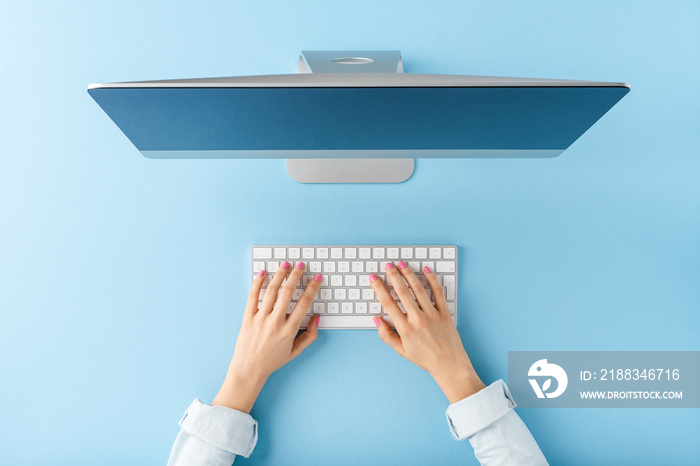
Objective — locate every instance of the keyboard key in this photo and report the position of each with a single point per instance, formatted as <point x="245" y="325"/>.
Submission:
<point x="319" y="308"/>
<point x="329" y="267"/>
<point x="343" y="267"/>
<point x="305" y="279"/>
<point x="294" y="253"/>
<point x="322" y="253"/>
<point x="375" y="308"/>
<point x="351" y="253"/>
<point x="307" y="253"/>
<point x="449" y="253"/>
<point x="429" y="264"/>
<point x="336" y="253"/>
<point x="333" y="308"/>
<point x="351" y="280"/>
<point x="371" y="267"/>
<point x="280" y="253"/>
<point x="315" y="267"/>
<point x="406" y="253"/>
<point x="364" y="253"/>
<point x="382" y="265"/>
<point x="325" y="294"/>
<point x="392" y="253"/>
<point x="291" y="307"/>
<point x="435" y="253"/>
<point x="272" y="266"/>
<point x="451" y="307"/>
<point x="262" y="253"/>
<point x="415" y="266"/>
<point x="340" y="294"/>
<point x="445" y="267"/>
<point x="358" y="267"/>
<point x="378" y="253"/>
<point x="336" y="280"/>
<point x="368" y="294"/>
<point x="346" y="308"/>
<point x="421" y="253"/>
<point x="354" y="294"/>
<point x="258" y="266"/>
<point x="363" y="280"/>
<point x="450" y="283"/>
<point x="361" y="308"/>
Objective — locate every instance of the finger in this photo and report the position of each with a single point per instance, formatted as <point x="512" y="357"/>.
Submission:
<point x="438" y="294"/>
<point x="387" y="302"/>
<point x="254" y="294"/>
<point x="305" y="301"/>
<point x="288" y="289"/>
<point x="306" y="338"/>
<point x="388" y="336"/>
<point x="273" y="288"/>
<point x="402" y="290"/>
<point x="416" y="287"/>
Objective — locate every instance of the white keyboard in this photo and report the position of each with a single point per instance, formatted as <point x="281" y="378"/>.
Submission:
<point x="346" y="299"/>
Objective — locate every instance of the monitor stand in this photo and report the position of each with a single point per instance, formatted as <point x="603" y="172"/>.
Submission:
<point x="348" y="170"/>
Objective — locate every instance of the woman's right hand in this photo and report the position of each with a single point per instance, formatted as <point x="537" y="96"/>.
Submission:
<point x="425" y="334"/>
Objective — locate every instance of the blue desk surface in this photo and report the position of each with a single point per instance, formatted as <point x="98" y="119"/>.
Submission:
<point x="122" y="279"/>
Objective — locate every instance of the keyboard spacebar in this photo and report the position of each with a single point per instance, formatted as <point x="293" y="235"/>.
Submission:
<point x="345" y="322"/>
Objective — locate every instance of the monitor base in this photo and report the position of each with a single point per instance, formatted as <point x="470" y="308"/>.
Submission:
<point x="350" y="170"/>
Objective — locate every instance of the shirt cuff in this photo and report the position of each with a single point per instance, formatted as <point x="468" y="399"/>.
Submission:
<point x="225" y="428"/>
<point x="478" y="411"/>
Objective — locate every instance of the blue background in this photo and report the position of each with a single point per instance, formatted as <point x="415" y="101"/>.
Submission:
<point x="122" y="279"/>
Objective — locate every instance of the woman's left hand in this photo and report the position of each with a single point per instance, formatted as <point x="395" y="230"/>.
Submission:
<point x="267" y="339"/>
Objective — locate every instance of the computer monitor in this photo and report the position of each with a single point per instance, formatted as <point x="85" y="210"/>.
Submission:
<point x="371" y="118"/>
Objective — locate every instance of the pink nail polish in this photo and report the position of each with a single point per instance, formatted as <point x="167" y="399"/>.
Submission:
<point x="402" y="265"/>
<point x="285" y="265"/>
<point x="376" y="321"/>
<point x="427" y="269"/>
<point x="318" y="319"/>
<point x="300" y="265"/>
<point x="318" y="278"/>
<point x="372" y="278"/>
<point x="261" y="273"/>
<point x="389" y="266"/>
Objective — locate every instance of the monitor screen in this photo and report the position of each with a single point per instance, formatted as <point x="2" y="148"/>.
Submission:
<point x="214" y="119"/>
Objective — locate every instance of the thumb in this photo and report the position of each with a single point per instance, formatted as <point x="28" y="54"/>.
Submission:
<point x="388" y="336"/>
<point x="306" y="338"/>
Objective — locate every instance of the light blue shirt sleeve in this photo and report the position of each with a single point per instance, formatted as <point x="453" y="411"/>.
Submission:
<point x="498" y="435"/>
<point x="213" y="435"/>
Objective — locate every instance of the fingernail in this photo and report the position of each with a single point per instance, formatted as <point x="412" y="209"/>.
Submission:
<point x="300" y="265"/>
<point x="285" y="265"/>
<point x="402" y="265"/>
<point x="261" y="273"/>
<point x="318" y="278"/>
<point x="376" y="321"/>
<point x="389" y="266"/>
<point x="318" y="319"/>
<point x="372" y="278"/>
<point x="427" y="269"/>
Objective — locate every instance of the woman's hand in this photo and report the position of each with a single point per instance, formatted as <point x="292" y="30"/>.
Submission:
<point x="426" y="334"/>
<point x="267" y="339"/>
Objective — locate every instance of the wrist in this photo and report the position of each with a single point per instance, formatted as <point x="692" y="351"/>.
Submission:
<point x="459" y="384"/>
<point x="239" y="392"/>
